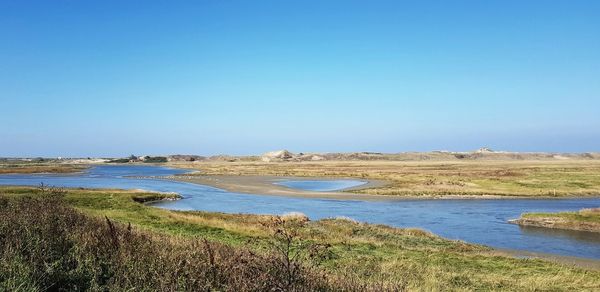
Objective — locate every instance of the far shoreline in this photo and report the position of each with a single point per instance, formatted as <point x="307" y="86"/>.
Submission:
<point x="265" y="185"/>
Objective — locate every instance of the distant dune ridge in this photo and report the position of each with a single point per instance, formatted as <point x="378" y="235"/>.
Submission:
<point x="483" y="153"/>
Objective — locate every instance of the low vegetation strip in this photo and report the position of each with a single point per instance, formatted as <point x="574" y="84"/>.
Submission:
<point x="83" y="240"/>
<point x="583" y="220"/>
<point x="430" y="179"/>
<point x="39" y="168"/>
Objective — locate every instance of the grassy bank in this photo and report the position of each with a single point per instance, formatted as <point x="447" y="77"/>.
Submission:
<point x="48" y="246"/>
<point x="28" y="168"/>
<point x="360" y="254"/>
<point x="454" y="178"/>
<point x="583" y="220"/>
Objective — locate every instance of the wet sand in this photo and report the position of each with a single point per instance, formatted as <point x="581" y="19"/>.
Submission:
<point x="265" y="185"/>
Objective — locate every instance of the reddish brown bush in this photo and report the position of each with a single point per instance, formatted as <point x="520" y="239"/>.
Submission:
<point x="47" y="245"/>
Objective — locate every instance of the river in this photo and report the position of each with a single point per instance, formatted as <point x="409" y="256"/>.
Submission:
<point x="472" y="220"/>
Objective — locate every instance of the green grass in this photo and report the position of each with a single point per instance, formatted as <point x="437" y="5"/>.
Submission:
<point x="585" y="215"/>
<point x="583" y="220"/>
<point x="39" y="167"/>
<point x="47" y="245"/>
<point x="373" y="253"/>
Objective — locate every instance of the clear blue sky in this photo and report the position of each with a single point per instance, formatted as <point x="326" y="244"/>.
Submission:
<point x="111" y="78"/>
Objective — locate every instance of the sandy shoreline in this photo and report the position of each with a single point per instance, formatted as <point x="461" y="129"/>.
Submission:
<point x="265" y="185"/>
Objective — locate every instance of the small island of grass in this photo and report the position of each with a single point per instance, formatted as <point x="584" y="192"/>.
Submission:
<point x="583" y="220"/>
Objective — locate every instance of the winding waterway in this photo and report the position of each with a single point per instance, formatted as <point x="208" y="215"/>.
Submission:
<point x="321" y="185"/>
<point x="477" y="221"/>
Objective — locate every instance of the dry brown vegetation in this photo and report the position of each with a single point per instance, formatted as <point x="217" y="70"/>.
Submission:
<point x="437" y="178"/>
<point x="39" y="168"/>
<point x="45" y="245"/>
<point x="340" y="253"/>
<point x="583" y="220"/>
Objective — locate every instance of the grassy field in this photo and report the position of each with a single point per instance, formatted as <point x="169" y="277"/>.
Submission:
<point x="530" y="178"/>
<point x="584" y="220"/>
<point x="46" y="245"/>
<point x="455" y="178"/>
<point x="360" y="253"/>
<point x="35" y="167"/>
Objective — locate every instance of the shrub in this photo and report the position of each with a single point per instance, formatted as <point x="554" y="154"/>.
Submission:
<point x="120" y="160"/>
<point x="47" y="245"/>
<point x="155" y="159"/>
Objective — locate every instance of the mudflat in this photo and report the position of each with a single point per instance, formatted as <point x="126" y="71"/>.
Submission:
<point x="412" y="179"/>
<point x="266" y="185"/>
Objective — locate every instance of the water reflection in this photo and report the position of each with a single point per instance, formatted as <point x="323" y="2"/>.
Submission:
<point x="321" y="185"/>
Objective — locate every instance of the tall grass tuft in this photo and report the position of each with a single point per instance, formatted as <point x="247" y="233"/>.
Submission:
<point x="47" y="245"/>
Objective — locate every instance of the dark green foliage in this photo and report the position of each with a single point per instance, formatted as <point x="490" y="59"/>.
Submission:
<point x="120" y="160"/>
<point x="150" y="197"/>
<point x="155" y="159"/>
<point x="145" y="159"/>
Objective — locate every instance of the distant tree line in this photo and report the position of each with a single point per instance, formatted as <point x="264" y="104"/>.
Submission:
<point x="145" y="159"/>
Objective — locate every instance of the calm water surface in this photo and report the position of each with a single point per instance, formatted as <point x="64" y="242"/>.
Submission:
<point x="477" y="221"/>
<point x="321" y="185"/>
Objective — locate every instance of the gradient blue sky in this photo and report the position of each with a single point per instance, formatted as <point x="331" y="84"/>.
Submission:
<point x="111" y="78"/>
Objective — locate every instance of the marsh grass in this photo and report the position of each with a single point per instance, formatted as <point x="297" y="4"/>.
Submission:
<point x="437" y="178"/>
<point x="334" y="254"/>
<point x="46" y="245"/>
<point x="583" y="220"/>
<point x="590" y="215"/>
<point x="25" y="168"/>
